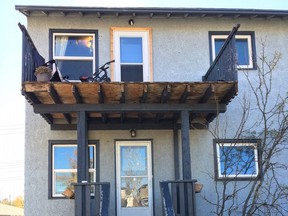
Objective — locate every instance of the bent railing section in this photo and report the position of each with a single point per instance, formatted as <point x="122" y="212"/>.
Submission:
<point x="224" y="66"/>
<point x="31" y="59"/>
<point x="178" y="197"/>
<point x="91" y="198"/>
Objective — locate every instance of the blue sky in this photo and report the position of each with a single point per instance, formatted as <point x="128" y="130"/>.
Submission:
<point x="12" y="107"/>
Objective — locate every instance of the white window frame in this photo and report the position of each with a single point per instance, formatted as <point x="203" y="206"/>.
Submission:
<point x="250" y="50"/>
<point x="146" y="47"/>
<point x="75" y="58"/>
<point x="54" y="171"/>
<point x="233" y="144"/>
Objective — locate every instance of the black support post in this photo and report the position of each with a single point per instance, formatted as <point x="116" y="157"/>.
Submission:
<point x="82" y="198"/>
<point x="186" y="159"/>
<point x="176" y="151"/>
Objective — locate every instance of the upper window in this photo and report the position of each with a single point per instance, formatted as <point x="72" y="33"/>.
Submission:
<point x="74" y="51"/>
<point x="245" y="46"/>
<point x="236" y="159"/>
<point x="63" y="162"/>
<point x="132" y="54"/>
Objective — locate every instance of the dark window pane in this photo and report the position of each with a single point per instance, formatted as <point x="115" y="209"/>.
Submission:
<point x="131" y="50"/>
<point x="65" y="157"/>
<point x="218" y="45"/>
<point x="74" y="46"/>
<point x="242" y="51"/>
<point x="132" y="73"/>
<point x="74" y="69"/>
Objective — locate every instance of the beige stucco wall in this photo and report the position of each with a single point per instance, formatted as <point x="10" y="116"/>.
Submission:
<point x="180" y="53"/>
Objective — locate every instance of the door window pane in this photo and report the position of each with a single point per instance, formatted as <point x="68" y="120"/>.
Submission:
<point x="134" y="161"/>
<point x="131" y="50"/>
<point x="134" y="192"/>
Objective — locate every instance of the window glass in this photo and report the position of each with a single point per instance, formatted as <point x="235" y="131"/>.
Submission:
<point x="244" y="45"/>
<point x="74" y="52"/>
<point x="65" y="157"/>
<point x="131" y="50"/>
<point x="65" y="166"/>
<point x="75" y="68"/>
<point x="237" y="159"/>
<point x="74" y="45"/>
<point x="242" y="50"/>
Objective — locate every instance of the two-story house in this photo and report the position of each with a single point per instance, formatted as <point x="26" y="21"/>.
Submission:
<point x="175" y="72"/>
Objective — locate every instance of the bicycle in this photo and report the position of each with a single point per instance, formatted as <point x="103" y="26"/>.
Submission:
<point x="100" y="75"/>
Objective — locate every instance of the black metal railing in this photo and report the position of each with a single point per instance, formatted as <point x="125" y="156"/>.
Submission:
<point x="31" y="59"/>
<point x="224" y="66"/>
<point x="178" y="197"/>
<point x="96" y="204"/>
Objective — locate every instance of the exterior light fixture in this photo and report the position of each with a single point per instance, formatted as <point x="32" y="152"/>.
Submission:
<point x="133" y="133"/>
<point x="131" y="22"/>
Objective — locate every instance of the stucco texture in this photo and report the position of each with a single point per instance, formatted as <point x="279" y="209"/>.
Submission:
<point x="180" y="53"/>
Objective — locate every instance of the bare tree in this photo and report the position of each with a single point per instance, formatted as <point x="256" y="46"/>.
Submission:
<point x="263" y="117"/>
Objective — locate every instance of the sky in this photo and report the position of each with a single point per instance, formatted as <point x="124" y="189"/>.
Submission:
<point x="12" y="103"/>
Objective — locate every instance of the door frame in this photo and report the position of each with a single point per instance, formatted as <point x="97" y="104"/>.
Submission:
<point x="149" y="142"/>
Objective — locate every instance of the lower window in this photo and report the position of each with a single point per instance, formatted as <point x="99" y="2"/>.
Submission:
<point x="63" y="166"/>
<point x="236" y="159"/>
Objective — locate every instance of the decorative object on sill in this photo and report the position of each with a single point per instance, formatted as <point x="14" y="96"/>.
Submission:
<point x="43" y="73"/>
<point x="198" y="187"/>
<point x="68" y="193"/>
<point x="131" y="22"/>
<point x="133" y="133"/>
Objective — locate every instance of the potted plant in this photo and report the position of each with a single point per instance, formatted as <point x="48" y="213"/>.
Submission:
<point x="43" y="73"/>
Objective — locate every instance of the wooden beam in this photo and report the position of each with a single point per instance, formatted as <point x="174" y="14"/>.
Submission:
<point x="31" y="97"/>
<point x="206" y="95"/>
<point x="101" y="101"/>
<point x="76" y="95"/>
<point x="229" y="95"/>
<point x="118" y="108"/>
<point x="122" y="101"/>
<point x="53" y="94"/>
<point x="185" y="94"/>
<point x="143" y="100"/>
<point x="164" y="99"/>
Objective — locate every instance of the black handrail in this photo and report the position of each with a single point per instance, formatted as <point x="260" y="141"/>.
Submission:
<point x="224" y="66"/>
<point x="31" y="59"/>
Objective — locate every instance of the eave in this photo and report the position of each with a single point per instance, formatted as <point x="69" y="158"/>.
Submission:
<point x="151" y="12"/>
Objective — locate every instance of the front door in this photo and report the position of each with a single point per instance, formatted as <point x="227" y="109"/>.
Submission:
<point x="134" y="178"/>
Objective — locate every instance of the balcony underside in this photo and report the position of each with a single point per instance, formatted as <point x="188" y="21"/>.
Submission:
<point x="124" y="105"/>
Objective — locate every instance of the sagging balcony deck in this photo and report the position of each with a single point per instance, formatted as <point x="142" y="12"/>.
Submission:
<point x="123" y="105"/>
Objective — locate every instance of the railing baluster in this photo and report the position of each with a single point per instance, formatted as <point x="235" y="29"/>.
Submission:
<point x="99" y="205"/>
<point x="181" y="200"/>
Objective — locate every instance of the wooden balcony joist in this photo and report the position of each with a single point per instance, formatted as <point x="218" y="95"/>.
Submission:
<point x="131" y="103"/>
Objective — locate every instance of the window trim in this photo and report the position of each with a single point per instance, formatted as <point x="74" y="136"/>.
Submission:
<point x="234" y="142"/>
<point x="116" y="31"/>
<point x="250" y="35"/>
<point x="95" y="59"/>
<point x="51" y="144"/>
